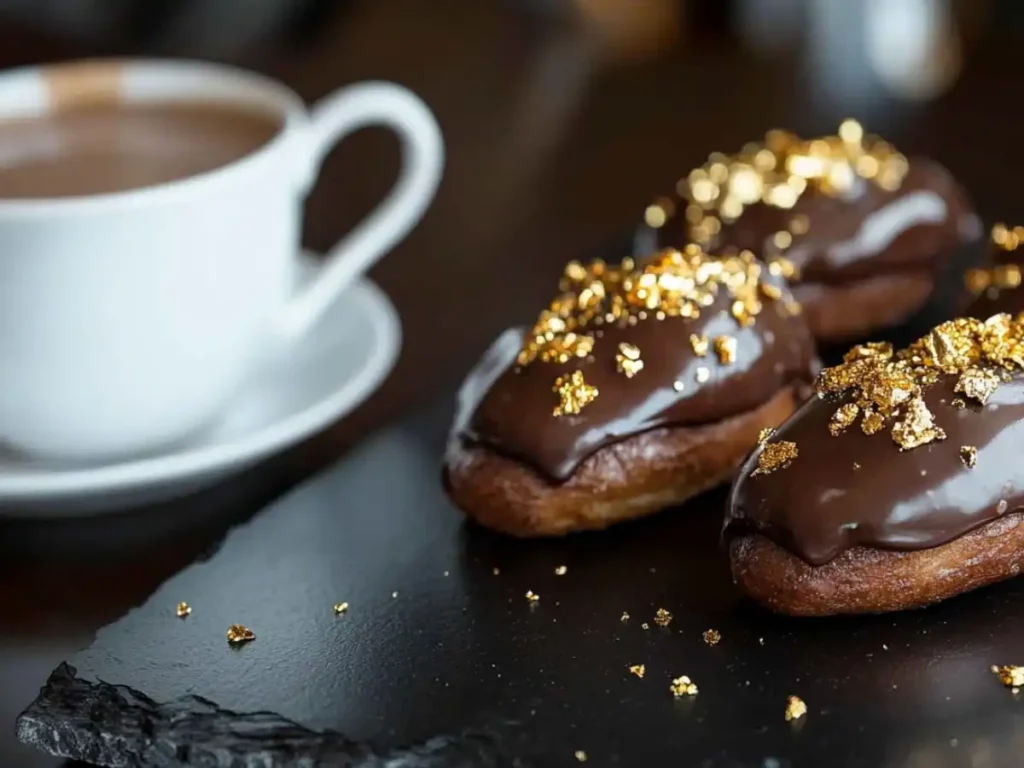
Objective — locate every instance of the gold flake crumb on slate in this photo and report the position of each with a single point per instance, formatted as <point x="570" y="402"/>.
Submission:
<point x="1011" y="676"/>
<point x="238" y="634"/>
<point x="683" y="686"/>
<point x="795" y="708"/>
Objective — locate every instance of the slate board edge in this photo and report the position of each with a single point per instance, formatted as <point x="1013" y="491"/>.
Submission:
<point x="116" y="726"/>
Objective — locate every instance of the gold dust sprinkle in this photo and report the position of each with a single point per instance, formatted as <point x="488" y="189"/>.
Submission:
<point x="638" y="670"/>
<point x="645" y="625"/>
<point x="977" y="384"/>
<point x="725" y="348"/>
<point x="1010" y="676"/>
<point x="969" y="455"/>
<point x="238" y="634"/>
<point x="916" y="427"/>
<point x="779" y="169"/>
<point x="844" y="416"/>
<point x="624" y="617"/>
<point x="627" y="360"/>
<point x="775" y="456"/>
<point x="703" y="374"/>
<point x="669" y="284"/>
<point x="183" y="610"/>
<point x="574" y="394"/>
<point x="340" y="608"/>
<point x="795" y="708"/>
<point x="580" y="755"/>
<point x="561" y="570"/>
<point x="765" y="435"/>
<point x="678" y="386"/>
<point x="496" y="571"/>
<point x="856" y="466"/>
<point x="958" y="402"/>
<point x="699" y="344"/>
<point x="683" y="686"/>
<point x="712" y="636"/>
<point x="662" y="617"/>
<point x="532" y="596"/>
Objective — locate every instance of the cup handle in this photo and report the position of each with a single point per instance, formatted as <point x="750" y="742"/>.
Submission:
<point x="333" y="118"/>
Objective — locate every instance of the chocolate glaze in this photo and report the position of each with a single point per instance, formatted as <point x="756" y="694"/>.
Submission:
<point x="820" y="504"/>
<point x="866" y="232"/>
<point x="509" y="409"/>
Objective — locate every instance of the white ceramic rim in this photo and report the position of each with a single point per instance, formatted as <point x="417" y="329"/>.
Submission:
<point x="289" y="104"/>
<point x="247" y="449"/>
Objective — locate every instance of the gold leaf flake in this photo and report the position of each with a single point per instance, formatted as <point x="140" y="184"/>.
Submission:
<point x="775" y="456"/>
<point x="795" y="708"/>
<point x="183" y="610"/>
<point x="917" y="427"/>
<point x="627" y="360"/>
<point x="725" y="348"/>
<point x="969" y="455"/>
<point x="844" y="416"/>
<point x="1010" y="676"/>
<point x="683" y="686"/>
<point x="574" y="394"/>
<point x="238" y="634"/>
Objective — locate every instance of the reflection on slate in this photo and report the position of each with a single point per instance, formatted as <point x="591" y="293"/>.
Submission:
<point x="441" y="661"/>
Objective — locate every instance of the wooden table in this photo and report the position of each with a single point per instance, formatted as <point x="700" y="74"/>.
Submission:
<point x="558" y="135"/>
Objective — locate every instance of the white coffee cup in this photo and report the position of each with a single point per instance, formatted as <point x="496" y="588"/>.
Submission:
<point x="129" y="320"/>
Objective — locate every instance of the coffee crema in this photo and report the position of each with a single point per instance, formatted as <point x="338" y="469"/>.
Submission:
<point x="107" y="148"/>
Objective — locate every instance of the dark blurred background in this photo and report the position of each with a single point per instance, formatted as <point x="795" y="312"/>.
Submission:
<point x="563" y="119"/>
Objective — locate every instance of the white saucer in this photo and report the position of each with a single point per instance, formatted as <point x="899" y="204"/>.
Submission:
<point x="325" y="377"/>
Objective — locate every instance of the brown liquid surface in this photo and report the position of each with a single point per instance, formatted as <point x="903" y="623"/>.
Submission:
<point x="118" y="147"/>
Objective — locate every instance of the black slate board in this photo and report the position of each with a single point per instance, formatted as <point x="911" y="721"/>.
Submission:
<point x="458" y="668"/>
<point x="442" y="662"/>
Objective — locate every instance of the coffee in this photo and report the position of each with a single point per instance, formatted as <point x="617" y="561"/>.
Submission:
<point x="108" y="148"/>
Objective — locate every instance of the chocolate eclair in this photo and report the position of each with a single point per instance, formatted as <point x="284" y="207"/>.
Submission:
<point x="641" y="385"/>
<point x="898" y="486"/>
<point x="860" y="231"/>
<point x="995" y="286"/>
